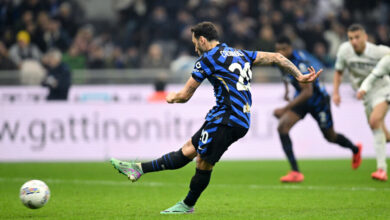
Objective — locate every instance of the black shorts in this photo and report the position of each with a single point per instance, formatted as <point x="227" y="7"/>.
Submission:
<point x="320" y="112"/>
<point x="212" y="140"/>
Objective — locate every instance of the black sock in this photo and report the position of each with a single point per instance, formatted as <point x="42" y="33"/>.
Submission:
<point x="287" y="148"/>
<point x="171" y="161"/>
<point x="345" y="142"/>
<point x="198" y="183"/>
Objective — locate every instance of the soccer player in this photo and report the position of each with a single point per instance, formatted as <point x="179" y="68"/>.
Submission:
<point x="229" y="71"/>
<point x="369" y="85"/>
<point x="360" y="57"/>
<point x="309" y="98"/>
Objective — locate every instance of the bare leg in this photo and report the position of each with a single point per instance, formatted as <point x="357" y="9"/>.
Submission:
<point x="337" y="138"/>
<point x="189" y="150"/>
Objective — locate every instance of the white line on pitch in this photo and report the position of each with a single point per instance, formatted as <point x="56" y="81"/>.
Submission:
<point x="155" y="184"/>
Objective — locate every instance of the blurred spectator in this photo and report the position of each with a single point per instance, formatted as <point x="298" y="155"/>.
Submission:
<point x="27" y="18"/>
<point x="296" y="41"/>
<point x="37" y="32"/>
<point x="7" y="17"/>
<point x="335" y="36"/>
<point x="326" y="7"/>
<point x="95" y="57"/>
<point x="382" y="35"/>
<point x="159" y="26"/>
<point x="159" y="91"/>
<point x="5" y="62"/>
<point x="345" y="17"/>
<point x="300" y="18"/>
<point x="266" y="39"/>
<point x="132" y="17"/>
<point x="52" y="6"/>
<point x="277" y="20"/>
<point x="242" y="32"/>
<point x="74" y="59"/>
<point x="182" y="65"/>
<point x="314" y="35"/>
<point x="35" y="6"/>
<point x="83" y="39"/>
<point x="184" y="42"/>
<point x="155" y="57"/>
<point x="67" y="19"/>
<point x="23" y="49"/>
<point x="8" y="37"/>
<point x="133" y="59"/>
<point x="58" y="79"/>
<point x="287" y="7"/>
<point x="42" y="20"/>
<point x="36" y="36"/>
<point x="104" y="41"/>
<point x="321" y="54"/>
<point x="360" y="6"/>
<point x="118" y="58"/>
<point x="129" y="41"/>
<point x="54" y="36"/>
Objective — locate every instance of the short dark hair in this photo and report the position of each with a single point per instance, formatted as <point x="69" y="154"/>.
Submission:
<point x="356" y="27"/>
<point x="205" y="29"/>
<point x="283" y="40"/>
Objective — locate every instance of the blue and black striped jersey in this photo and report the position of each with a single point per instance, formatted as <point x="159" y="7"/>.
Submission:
<point x="302" y="60"/>
<point x="229" y="71"/>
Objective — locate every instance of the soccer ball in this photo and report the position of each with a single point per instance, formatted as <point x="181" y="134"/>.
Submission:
<point x="34" y="194"/>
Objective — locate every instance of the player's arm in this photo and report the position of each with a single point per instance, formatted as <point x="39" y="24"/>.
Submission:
<point x="380" y="70"/>
<point x="337" y="78"/>
<point x="184" y="94"/>
<point x="286" y="91"/>
<point x="269" y="58"/>
<point x="340" y="65"/>
<point x="304" y="95"/>
<point x="366" y="85"/>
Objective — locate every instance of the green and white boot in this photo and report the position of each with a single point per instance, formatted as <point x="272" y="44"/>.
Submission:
<point x="130" y="169"/>
<point x="179" y="208"/>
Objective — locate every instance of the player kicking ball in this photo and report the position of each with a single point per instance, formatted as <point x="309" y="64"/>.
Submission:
<point x="310" y="98"/>
<point x="360" y="57"/>
<point x="229" y="71"/>
<point x="380" y="73"/>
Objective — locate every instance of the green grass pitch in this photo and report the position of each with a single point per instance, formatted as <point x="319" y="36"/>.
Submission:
<point x="238" y="190"/>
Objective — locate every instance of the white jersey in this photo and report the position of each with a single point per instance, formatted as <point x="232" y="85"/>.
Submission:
<point x="359" y="65"/>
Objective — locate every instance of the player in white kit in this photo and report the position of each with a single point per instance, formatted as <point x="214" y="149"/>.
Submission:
<point x="360" y="57"/>
<point x="380" y="73"/>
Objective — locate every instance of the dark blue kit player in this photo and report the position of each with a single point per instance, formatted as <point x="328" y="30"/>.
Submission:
<point x="310" y="98"/>
<point x="229" y="71"/>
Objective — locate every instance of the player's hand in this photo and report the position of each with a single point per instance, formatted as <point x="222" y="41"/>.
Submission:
<point x="171" y="97"/>
<point x="336" y="99"/>
<point x="311" y="77"/>
<point x="52" y="82"/>
<point x="360" y="95"/>
<point x="279" y="112"/>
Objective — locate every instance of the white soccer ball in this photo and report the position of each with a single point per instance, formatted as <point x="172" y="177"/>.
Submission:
<point x="34" y="194"/>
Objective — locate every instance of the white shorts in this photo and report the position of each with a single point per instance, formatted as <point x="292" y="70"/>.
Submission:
<point x="378" y="94"/>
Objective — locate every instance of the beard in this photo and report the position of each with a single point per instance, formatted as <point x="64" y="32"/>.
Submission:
<point x="200" y="51"/>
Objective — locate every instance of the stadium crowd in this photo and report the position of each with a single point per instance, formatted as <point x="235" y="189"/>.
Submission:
<point x="150" y="34"/>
